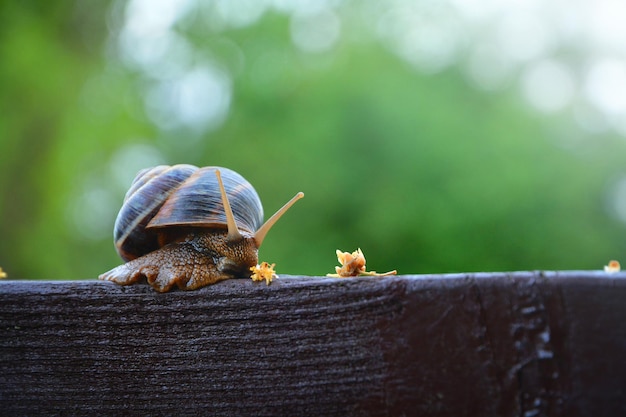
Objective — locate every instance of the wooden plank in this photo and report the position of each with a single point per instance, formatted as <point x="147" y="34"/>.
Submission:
<point x="517" y="344"/>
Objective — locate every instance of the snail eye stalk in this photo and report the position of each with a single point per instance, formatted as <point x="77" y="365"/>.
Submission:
<point x="233" y="231"/>
<point x="259" y="236"/>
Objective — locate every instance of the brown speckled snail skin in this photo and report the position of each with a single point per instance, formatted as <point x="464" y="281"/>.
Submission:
<point x="188" y="226"/>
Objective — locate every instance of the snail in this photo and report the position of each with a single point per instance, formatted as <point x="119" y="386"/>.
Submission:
<point x="188" y="226"/>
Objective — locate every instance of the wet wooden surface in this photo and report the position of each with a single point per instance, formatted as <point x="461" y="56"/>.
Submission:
<point x="519" y="344"/>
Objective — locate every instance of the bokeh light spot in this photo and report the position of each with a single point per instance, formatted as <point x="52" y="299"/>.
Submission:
<point x="619" y="199"/>
<point x="487" y="69"/>
<point x="426" y="35"/>
<point x="129" y="160"/>
<point x="146" y="38"/>
<point x="315" y="32"/>
<point x="199" y="99"/>
<point x="606" y="85"/>
<point x="240" y="13"/>
<point x="523" y="36"/>
<point x="548" y="85"/>
<point x="92" y="212"/>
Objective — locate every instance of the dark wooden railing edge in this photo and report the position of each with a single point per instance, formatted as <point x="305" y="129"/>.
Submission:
<point x="508" y="344"/>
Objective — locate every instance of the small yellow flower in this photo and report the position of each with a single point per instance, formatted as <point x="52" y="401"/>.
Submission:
<point x="353" y="265"/>
<point x="262" y="272"/>
<point x="2" y="274"/>
<point x="613" y="266"/>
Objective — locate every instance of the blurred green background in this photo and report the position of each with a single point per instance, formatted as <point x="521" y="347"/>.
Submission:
<point x="437" y="136"/>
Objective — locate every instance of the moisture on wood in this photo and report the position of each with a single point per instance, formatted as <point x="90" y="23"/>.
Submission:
<point x="518" y="344"/>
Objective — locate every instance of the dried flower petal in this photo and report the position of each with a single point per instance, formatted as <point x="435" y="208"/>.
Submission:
<point x="2" y="274"/>
<point x="613" y="266"/>
<point x="353" y="265"/>
<point x="264" y="271"/>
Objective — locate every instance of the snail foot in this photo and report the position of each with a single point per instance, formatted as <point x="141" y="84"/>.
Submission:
<point x="171" y="265"/>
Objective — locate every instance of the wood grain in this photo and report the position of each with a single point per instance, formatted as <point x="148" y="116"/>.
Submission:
<point x="505" y="344"/>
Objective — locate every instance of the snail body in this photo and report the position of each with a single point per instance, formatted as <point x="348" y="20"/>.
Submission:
<point x="188" y="226"/>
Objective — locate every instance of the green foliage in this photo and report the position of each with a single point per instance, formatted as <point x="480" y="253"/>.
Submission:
<point x="422" y="172"/>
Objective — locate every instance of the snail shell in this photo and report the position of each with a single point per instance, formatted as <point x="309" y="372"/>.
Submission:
<point x="181" y="195"/>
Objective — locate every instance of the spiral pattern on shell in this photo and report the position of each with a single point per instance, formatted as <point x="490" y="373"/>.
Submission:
<point x="181" y="195"/>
